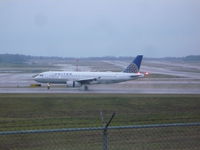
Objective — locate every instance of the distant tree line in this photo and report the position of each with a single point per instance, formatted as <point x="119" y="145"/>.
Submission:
<point x="13" y="58"/>
<point x="192" y="58"/>
<point x="20" y="59"/>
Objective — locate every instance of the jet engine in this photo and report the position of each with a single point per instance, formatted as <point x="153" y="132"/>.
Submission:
<point x="73" y="84"/>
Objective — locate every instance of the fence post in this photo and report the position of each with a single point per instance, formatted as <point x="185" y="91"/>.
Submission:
<point x="105" y="133"/>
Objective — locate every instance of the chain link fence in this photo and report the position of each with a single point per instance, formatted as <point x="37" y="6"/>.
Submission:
<point x="139" y="137"/>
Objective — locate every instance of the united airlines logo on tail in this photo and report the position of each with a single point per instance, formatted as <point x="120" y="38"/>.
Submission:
<point x="132" y="68"/>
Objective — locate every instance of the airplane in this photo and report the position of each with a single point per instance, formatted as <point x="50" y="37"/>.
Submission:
<point x="79" y="79"/>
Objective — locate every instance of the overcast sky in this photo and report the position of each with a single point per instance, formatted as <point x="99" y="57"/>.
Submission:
<point x="83" y="28"/>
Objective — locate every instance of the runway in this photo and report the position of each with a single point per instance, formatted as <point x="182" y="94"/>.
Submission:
<point x="176" y="86"/>
<point x="99" y="90"/>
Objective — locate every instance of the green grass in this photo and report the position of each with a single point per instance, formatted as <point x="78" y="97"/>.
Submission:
<point x="38" y="111"/>
<point x="45" y="111"/>
<point x="186" y="138"/>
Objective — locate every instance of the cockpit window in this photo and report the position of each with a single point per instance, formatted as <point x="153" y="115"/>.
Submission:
<point x="41" y="75"/>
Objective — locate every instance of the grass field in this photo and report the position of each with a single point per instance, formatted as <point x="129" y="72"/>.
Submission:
<point x="38" y="111"/>
<point x="45" y="111"/>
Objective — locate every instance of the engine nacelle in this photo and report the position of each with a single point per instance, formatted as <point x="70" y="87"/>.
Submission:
<point x="73" y="84"/>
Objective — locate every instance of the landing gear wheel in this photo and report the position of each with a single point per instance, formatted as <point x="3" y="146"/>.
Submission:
<point x="85" y="87"/>
<point x="48" y="86"/>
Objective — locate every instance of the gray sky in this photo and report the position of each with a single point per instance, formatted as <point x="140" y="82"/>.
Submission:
<point x="82" y="28"/>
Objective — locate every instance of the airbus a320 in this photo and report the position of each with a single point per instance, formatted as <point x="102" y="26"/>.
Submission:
<point x="79" y="79"/>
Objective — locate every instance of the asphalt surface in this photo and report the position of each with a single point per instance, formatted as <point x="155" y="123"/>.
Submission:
<point x="149" y="86"/>
<point x="99" y="90"/>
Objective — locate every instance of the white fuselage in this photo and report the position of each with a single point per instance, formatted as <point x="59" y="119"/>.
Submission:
<point x="61" y="77"/>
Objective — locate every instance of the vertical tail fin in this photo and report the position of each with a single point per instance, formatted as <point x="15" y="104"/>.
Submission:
<point x="134" y="67"/>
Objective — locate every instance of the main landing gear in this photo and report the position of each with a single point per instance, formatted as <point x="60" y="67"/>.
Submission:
<point x="48" y="86"/>
<point x="85" y="87"/>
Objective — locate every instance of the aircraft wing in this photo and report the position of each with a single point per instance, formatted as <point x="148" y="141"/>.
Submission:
<point x="87" y="80"/>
